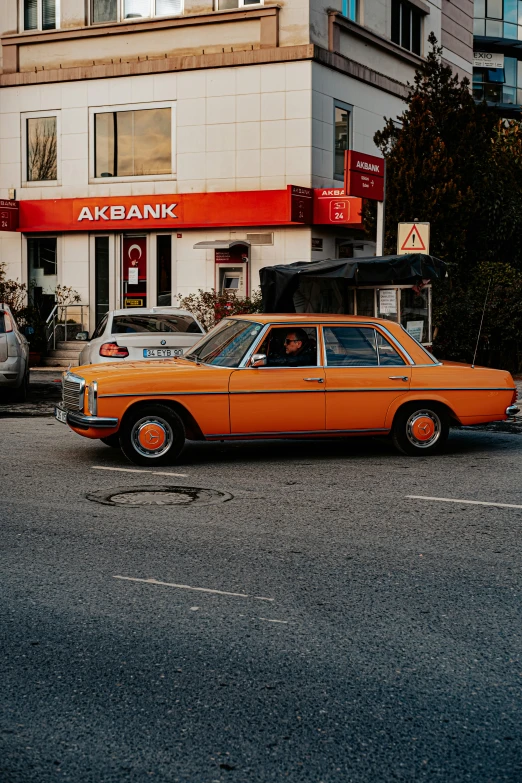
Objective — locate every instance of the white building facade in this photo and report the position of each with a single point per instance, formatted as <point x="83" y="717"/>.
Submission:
<point x="166" y="137"/>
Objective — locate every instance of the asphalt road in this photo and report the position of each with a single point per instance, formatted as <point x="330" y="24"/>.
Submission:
<point x="390" y="648"/>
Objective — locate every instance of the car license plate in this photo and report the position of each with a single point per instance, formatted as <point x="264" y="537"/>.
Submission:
<point x="60" y="415"/>
<point x="161" y="353"/>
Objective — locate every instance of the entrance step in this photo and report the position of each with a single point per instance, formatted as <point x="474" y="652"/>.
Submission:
<point x="72" y="355"/>
<point x="71" y="345"/>
<point x="51" y="361"/>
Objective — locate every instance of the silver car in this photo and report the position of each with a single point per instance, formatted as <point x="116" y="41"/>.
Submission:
<point x="14" y="357"/>
<point x="141" y="333"/>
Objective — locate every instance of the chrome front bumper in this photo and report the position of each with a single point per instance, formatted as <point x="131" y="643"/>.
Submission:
<point x="84" y="422"/>
<point x="512" y="410"/>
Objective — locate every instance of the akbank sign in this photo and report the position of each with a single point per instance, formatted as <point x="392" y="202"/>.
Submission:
<point x="133" y="212"/>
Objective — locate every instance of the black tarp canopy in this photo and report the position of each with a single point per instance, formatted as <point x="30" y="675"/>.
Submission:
<point x="322" y="286"/>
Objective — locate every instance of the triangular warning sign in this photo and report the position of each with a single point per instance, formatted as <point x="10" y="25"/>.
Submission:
<point x="414" y="240"/>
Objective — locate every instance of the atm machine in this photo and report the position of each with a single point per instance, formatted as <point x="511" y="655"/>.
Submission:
<point x="232" y="265"/>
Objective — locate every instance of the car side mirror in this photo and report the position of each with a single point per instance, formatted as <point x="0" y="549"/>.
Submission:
<point x="258" y="360"/>
<point x="82" y="336"/>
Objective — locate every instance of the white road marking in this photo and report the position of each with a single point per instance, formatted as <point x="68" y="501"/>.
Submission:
<point x="268" y="620"/>
<point x="197" y="589"/>
<point x="468" y="502"/>
<point x="135" y="470"/>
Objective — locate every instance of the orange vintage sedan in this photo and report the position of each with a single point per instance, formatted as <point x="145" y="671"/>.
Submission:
<point x="284" y="376"/>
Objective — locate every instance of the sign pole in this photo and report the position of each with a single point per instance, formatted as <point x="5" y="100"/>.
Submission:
<point x="381" y="214"/>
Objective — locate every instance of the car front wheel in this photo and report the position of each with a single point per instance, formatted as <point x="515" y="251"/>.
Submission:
<point x="420" y="429"/>
<point x="152" y="435"/>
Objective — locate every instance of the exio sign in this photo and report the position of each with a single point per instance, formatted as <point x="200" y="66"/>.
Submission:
<point x="363" y="175"/>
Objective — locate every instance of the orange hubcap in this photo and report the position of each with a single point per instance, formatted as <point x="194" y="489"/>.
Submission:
<point x="152" y="437"/>
<point x="423" y="428"/>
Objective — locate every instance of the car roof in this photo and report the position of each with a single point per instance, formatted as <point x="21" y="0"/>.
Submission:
<point x="151" y="311"/>
<point x="283" y="318"/>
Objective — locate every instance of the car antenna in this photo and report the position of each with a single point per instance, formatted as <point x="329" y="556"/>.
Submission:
<point x="481" y="322"/>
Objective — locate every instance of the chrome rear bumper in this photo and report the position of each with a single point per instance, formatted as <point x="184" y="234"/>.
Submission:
<point x="512" y="410"/>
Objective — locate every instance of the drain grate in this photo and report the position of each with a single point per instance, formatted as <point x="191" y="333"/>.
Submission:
<point x="133" y="497"/>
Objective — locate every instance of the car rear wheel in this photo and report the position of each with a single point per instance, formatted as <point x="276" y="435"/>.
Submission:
<point x="112" y="440"/>
<point x="420" y="429"/>
<point x="152" y="435"/>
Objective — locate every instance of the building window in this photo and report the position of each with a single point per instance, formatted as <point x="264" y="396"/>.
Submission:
<point x="222" y="5"/>
<point x="499" y="86"/>
<point x="101" y="278"/>
<point x="133" y="142"/>
<point x="497" y="18"/>
<point x="40" y="148"/>
<point x="103" y="11"/>
<point x="406" y="26"/>
<point x="342" y="115"/>
<point x="42" y="162"/>
<point x="351" y="9"/>
<point x="41" y="14"/>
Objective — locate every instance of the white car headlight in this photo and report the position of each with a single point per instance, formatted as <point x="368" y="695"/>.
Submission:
<point x="92" y="398"/>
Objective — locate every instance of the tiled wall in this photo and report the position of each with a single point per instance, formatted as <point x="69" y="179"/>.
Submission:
<point x="370" y="106"/>
<point x="246" y="128"/>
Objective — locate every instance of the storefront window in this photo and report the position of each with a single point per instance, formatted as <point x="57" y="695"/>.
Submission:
<point x="101" y="277"/>
<point x="133" y="143"/>
<point x="365" y="302"/>
<point x="164" y="269"/>
<point x="42" y="272"/>
<point x="415" y="313"/>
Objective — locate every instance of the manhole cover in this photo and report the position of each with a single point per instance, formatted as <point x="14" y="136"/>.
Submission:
<point x="158" y="496"/>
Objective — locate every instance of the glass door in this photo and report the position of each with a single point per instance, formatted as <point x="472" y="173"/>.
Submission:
<point x="134" y="271"/>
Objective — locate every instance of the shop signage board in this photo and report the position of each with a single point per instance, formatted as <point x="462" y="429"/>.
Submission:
<point x="364" y="175"/>
<point x="388" y="301"/>
<point x="237" y="254"/>
<point x="301" y="204"/>
<point x="9" y="215"/>
<point x="172" y="212"/>
<point x="413" y="238"/>
<point x="488" y="60"/>
<point x="333" y="207"/>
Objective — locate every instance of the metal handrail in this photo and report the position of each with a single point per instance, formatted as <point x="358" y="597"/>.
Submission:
<point x="58" y="317"/>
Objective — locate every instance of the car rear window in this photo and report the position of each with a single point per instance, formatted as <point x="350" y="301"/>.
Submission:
<point x="131" y="324"/>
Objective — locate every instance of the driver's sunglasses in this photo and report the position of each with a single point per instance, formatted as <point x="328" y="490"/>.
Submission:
<point x="291" y="341"/>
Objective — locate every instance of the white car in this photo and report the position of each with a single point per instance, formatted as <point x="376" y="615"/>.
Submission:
<point x="141" y="333"/>
<point x="14" y="357"/>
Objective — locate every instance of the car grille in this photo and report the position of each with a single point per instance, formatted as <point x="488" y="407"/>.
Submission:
<point x="72" y="392"/>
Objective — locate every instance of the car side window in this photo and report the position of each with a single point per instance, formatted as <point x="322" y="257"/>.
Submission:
<point x="354" y="346"/>
<point x="290" y="346"/>
<point x="100" y="328"/>
<point x="388" y="356"/>
<point x="2" y="324"/>
<point x="350" y="346"/>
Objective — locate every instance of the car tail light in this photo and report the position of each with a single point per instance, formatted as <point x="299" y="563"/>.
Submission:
<point x="8" y="322"/>
<point x="114" y="350"/>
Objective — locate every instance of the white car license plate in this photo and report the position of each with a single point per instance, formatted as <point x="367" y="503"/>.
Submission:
<point x="60" y="415"/>
<point x="161" y="353"/>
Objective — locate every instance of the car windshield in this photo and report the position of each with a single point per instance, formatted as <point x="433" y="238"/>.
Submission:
<point x="155" y="322"/>
<point x="226" y="344"/>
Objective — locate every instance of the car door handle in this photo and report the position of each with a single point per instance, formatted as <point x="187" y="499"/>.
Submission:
<point x="398" y="378"/>
<point x="319" y="380"/>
